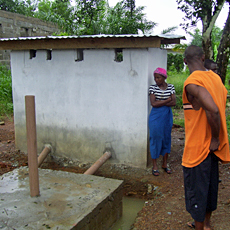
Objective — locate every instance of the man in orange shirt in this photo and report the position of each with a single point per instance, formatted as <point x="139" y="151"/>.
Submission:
<point x="206" y="138"/>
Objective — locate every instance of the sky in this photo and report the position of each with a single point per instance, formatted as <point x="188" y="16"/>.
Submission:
<point x="166" y="14"/>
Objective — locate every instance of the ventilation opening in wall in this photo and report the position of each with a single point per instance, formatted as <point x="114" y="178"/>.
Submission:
<point x="79" y="55"/>
<point x="24" y="32"/>
<point x="118" y="55"/>
<point x="32" y="54"/>
<point x="48" y="54"/>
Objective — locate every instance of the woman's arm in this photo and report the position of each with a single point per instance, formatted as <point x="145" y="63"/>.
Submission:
<point x="173" y="101"/>
<point x="158" y="103"/>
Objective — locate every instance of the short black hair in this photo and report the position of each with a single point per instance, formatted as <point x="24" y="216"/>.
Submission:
<point x="193" y="52"/>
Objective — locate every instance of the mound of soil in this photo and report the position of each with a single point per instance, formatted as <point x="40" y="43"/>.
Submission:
<point x="164" y="194"/>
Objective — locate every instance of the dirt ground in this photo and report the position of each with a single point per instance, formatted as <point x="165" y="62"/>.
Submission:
<point x="164" y="195"/>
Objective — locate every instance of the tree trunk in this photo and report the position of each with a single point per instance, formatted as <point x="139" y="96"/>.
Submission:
<point x="207" y="46"/>
<point x="208" y="23"/>
<point x="224" y="50"/>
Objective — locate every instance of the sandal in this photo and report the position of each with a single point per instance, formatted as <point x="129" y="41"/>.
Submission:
<point x="167" y="170"/>
<point x="155" y="172"/>
<point x="191" y="224"/>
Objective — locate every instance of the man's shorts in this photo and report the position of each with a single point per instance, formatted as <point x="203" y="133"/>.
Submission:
<point x="201" y="187"/>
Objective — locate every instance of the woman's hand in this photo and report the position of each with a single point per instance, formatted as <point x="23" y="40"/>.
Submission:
<point x="159" y="103"/>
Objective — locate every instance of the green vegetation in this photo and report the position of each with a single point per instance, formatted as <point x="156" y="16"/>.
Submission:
<point x="6" y="101"/>
<point x="227" y="81"/>
<point x="177" y="79"/>
<point x="228" y="120"/>
<point x="175" y="62"/>
<point x="85" y="17"/>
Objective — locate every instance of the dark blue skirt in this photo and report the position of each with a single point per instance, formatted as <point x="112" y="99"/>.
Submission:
<point x="160" y="128"/>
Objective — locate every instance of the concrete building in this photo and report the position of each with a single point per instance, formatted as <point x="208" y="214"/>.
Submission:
<point x="91" y="93"/>
<point x="17" y="25"/>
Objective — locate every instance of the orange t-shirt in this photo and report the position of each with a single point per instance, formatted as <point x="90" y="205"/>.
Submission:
<point x="197" y="129"/>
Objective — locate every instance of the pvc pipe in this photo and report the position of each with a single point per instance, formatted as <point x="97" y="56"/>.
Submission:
<point x="98" y="163"/>
<point x="32" y="145"/>
<point x="44" y="154"/>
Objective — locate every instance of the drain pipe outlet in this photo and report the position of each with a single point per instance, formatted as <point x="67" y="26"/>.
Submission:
<point x="44" y="154"/>
<point x="98" y="163"/>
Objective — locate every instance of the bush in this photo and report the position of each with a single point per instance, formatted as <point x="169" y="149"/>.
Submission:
<point x="175" y="62"/>
<point x="6" y="101"/>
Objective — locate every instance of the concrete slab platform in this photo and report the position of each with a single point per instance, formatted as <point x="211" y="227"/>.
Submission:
<point x="66" y="201"/>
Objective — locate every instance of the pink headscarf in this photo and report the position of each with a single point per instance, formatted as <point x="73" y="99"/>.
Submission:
<point x="161" y="71"/>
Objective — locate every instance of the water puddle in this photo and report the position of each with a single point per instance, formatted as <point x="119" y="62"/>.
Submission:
<point x="13" y="181"/>
<point x="131" y="206"/>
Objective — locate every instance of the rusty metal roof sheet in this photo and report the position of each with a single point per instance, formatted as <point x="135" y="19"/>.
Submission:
<point x="89" y="41"/>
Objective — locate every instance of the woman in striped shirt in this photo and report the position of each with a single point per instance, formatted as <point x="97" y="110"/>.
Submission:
<point x="162" y="98"/>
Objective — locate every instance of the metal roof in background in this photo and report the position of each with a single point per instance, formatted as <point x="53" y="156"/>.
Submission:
<point x="169" y="36"/>
<point x="89" y="41"/>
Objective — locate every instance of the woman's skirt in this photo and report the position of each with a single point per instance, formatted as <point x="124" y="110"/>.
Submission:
<point x="160" y="128"/>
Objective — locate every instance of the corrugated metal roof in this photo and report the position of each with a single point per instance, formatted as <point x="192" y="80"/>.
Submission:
<point x="100" y="41"/>
<point x="166" y="36"/>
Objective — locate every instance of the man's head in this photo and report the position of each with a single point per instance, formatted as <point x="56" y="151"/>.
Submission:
<point x="194" y="58"/>
<point x="210" y="65"/>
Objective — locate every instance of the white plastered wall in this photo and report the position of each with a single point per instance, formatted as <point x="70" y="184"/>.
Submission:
<point x="84" y="107"/>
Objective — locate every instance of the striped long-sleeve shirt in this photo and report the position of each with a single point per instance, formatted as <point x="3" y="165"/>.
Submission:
<point x="162" y="94"/>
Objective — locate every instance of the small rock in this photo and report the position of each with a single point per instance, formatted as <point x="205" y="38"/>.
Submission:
<point x="2" y="123"/>
<point x="150" y="188"/>
<point x="82" y="165"/>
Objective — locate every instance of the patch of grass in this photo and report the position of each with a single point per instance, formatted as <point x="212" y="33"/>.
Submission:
<point x="6" y="101"/>
<point x="178" y="117"/>
<point x="177" y="79"/>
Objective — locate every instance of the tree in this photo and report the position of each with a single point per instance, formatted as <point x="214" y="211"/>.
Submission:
<point x="57" y="11"/>
<point x="87" y="17"/>
<point x="207" y="12"/>
<point x="197" y="38"/>
<point x="169" y="30"/>
<point x="224" y="50"/>
<point x="90" y="16"/>
<point x="26" y="7"/>
<point x="125" y="18"/>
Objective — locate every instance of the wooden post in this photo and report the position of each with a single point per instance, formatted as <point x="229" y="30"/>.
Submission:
<point x="32" y="145"/>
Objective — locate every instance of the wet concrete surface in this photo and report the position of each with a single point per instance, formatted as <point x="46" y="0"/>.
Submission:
<point x="65" y="200"/>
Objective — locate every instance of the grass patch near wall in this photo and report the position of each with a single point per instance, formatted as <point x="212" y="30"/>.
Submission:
<point x="6" y="101"/>
<point x="177" y="79"/>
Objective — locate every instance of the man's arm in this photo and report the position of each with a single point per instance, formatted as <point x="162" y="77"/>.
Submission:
<point x="199" y="97"/>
